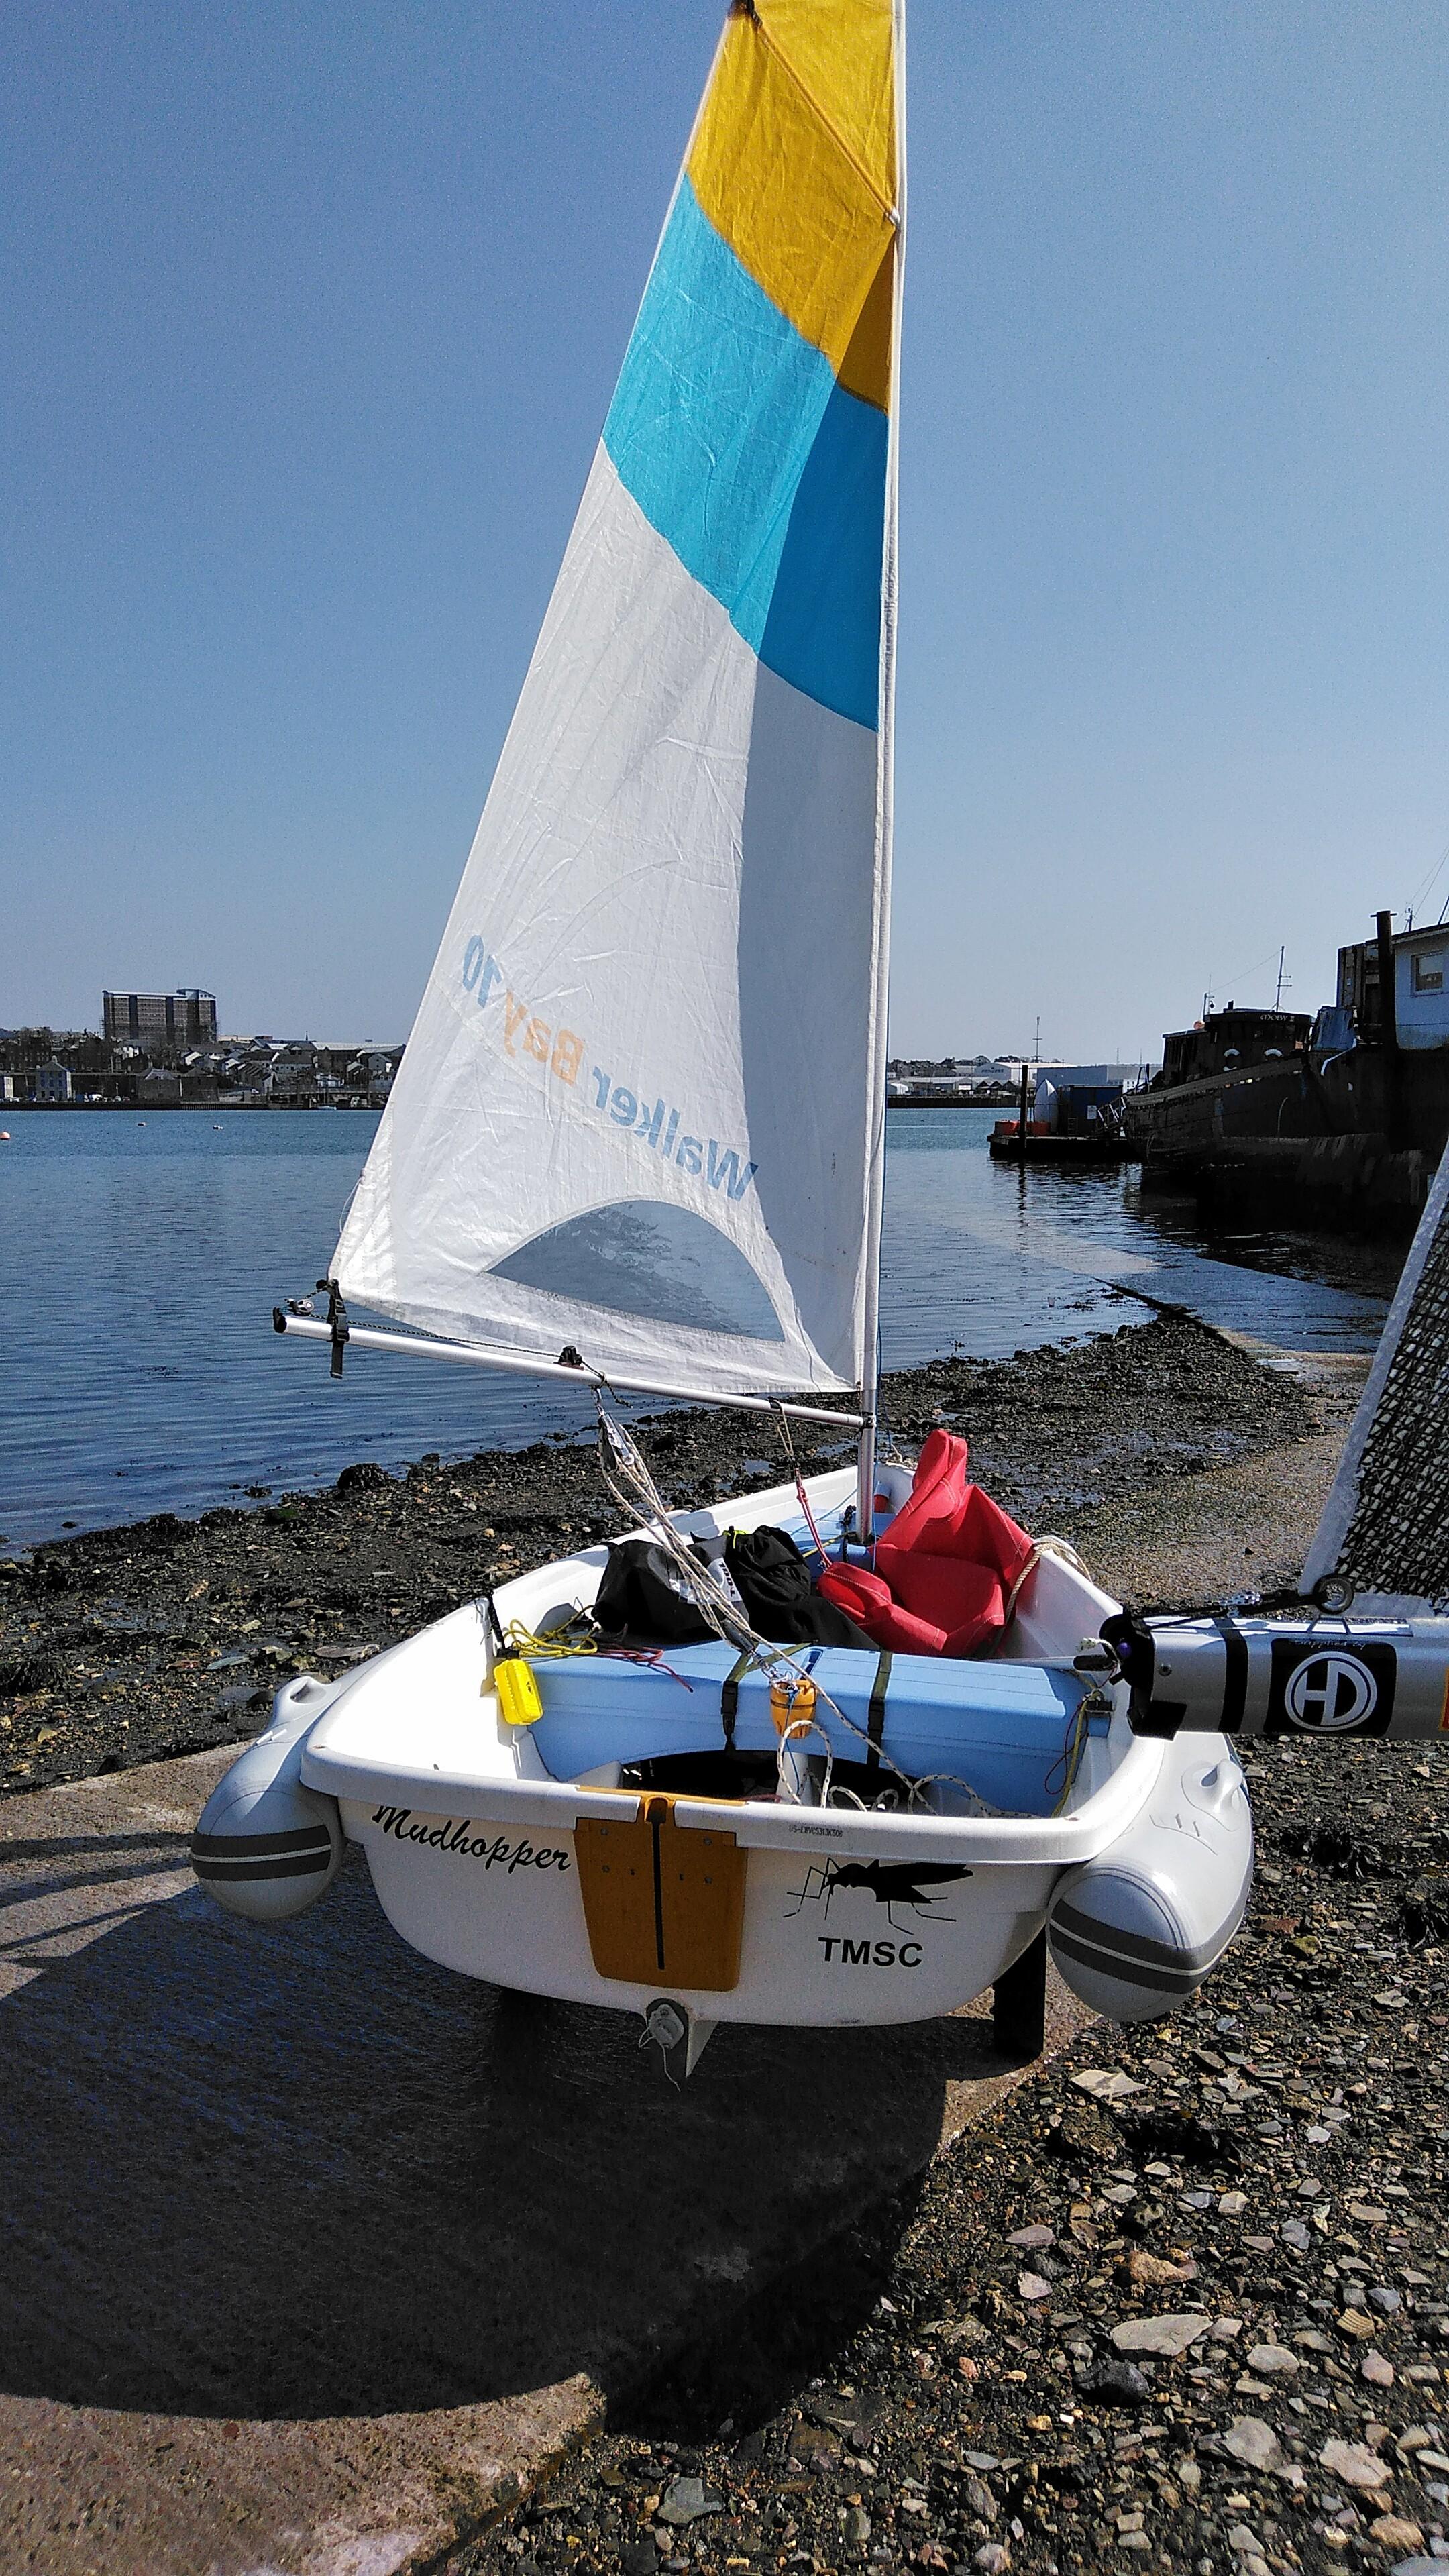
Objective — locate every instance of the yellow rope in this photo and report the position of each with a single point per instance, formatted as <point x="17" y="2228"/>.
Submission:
<point x="570" y="1637"/>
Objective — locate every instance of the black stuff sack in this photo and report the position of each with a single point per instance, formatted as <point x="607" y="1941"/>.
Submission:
<point x="773" y="1581"/>
<point x="642" y="1598"/>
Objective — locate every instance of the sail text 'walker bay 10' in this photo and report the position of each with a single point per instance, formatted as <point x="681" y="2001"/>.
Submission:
<point x="845" y="1752"/>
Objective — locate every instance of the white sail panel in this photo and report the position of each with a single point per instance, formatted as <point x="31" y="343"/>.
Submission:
<point x="639" y="1110"/>
<point x="618" y="1019"/>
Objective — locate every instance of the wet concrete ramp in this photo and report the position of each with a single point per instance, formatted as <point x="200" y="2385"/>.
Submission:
<point x="310" y="2248"/>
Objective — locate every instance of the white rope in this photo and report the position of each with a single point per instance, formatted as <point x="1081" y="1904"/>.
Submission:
<point x="1040" y="1547"/>
<point x="631" y="1487"/>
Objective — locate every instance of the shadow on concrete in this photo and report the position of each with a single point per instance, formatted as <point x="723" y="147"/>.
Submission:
<point x="301" y="2173"/>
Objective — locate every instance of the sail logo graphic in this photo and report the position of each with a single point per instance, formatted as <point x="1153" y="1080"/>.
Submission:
<point x="1328" y="1690"/>
<point x="653" y="1122"/>
<point x="559" y="1049"/>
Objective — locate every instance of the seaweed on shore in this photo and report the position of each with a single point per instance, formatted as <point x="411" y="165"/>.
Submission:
<point x="169" y="1636"/>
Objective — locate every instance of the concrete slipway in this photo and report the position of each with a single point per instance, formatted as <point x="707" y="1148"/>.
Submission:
<point x="310" y="2249"/>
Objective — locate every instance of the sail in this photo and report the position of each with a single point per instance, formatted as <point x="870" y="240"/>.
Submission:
<point x="1384" y="1531"/>
<point x="642" y="1108"/>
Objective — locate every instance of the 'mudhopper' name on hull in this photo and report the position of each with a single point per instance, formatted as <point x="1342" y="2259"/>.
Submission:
<point x="449" y="1836"/>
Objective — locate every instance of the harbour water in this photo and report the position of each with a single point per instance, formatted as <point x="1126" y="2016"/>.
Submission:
<point x="140" y="1261"/>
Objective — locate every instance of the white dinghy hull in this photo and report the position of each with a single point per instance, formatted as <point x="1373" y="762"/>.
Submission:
<point x="737" y="1909"/>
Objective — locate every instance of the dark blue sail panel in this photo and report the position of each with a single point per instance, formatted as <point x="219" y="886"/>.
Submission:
<point x="645" y="1257"/>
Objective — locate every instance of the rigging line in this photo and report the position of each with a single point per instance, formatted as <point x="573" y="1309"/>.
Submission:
<point x="804" y="1498"/>
<point x="1424" y="891"/>
<point x="828" y="122"/>
<point x="1234" y="973"/>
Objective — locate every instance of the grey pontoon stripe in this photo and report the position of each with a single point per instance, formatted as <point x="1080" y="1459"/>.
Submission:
<point x="294" y="1838"/>
<point x="241" y="1873"/>
<point x="1128" y="1972"/>
<point x="1178" y="1971"/>
<point x="1137" y="1945"/>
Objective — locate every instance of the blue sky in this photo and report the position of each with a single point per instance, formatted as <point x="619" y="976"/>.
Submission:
<point x="312" y="318"/>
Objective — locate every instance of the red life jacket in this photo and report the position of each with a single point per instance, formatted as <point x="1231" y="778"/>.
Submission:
<point x="944" y="1567"/>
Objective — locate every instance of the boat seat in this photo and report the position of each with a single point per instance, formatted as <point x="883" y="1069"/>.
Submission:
<point x="944" y="1567"/>
<point x="1005" y="1725"/>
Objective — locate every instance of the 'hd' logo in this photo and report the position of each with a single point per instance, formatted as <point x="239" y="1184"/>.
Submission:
<point x="1330" y="1689"/>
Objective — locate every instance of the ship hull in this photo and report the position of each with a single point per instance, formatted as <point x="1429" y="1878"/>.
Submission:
<point x="1348" y="1142"/>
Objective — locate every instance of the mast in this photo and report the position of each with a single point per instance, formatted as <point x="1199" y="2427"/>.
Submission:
<point x="885" y="827"/>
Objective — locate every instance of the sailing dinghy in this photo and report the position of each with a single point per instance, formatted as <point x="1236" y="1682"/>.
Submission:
<point x="637" y="1142"/>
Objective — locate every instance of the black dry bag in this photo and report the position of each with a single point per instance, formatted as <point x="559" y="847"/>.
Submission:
<point x="773" y="1581"/>
<point x="642" y="1598"/>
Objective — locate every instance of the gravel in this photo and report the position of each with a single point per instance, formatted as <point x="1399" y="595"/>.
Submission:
<point x="1278" y="2149"/>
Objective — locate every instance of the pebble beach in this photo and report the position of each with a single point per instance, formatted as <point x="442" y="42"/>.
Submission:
<point x="1184" y="2301"/>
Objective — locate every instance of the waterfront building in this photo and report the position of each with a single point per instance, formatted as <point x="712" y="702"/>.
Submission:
<point x="1072" y="1098"/>
<point x="52" y="1084"/>
<point x="291" y="1074"/>
<point x="160" y="1022"/>
<point x="1421" y="987"/>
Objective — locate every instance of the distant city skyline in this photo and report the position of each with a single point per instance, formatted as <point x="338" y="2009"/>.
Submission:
<point x="313" y="320"/>
<point x="219" y="1038"/>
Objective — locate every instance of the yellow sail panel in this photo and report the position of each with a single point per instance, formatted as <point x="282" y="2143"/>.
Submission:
<point x="800" y="197"/>
<point x="843" y="53"/>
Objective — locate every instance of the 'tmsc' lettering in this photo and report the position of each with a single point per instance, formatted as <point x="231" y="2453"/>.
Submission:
<point x="870" y="1954"/>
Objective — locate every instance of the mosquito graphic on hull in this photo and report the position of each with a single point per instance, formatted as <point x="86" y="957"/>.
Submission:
<point x="891" y="1883"/>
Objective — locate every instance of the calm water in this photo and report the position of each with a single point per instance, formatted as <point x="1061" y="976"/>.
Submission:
<point x="139" y="1264"/>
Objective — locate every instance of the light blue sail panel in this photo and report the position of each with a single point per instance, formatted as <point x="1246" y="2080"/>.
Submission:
<point x="648" y="1257"/>
<point x="766" y="478"/>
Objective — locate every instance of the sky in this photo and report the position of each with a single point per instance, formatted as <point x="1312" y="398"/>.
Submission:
<point x="310" y="321"/>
